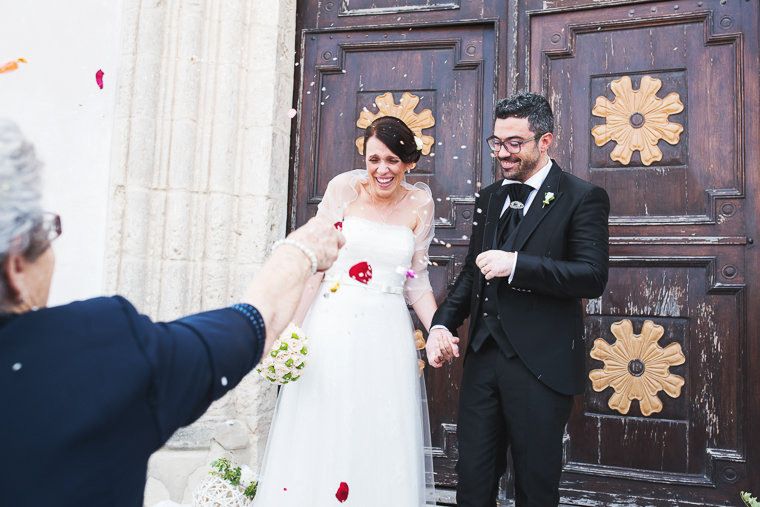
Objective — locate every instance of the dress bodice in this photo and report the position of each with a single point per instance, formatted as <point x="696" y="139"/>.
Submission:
<point x="384" y="247"/>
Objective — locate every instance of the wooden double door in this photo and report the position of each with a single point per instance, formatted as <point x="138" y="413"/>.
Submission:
<point x="659" y="103"/>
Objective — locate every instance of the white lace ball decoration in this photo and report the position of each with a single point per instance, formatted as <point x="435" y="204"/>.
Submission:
<point x="288" y="357"/>
<point x="216" y="492"/>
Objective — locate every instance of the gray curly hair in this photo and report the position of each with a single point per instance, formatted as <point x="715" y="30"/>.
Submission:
<point x="20" y="195"/>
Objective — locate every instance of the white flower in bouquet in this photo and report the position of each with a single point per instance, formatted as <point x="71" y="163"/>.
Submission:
<point x="280" y="370"/>
<point x="247" y="476"/>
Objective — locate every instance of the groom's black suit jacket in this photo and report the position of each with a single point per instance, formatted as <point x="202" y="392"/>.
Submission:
<point x="563" y="256"/>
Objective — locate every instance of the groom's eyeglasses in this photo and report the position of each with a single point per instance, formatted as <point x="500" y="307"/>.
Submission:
<point x="512" y="146"/>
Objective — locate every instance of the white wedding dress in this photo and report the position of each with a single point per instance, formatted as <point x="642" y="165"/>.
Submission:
<point x="358" y="414"/>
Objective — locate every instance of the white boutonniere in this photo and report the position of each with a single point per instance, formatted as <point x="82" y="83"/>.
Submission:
<point x="419" y="143"/>
<point x="548" y="197"/>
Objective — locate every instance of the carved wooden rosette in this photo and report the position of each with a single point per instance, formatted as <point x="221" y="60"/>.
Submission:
<point x="403" y="111"/>
<point x="636" y="367"/>
<point x="637" y="120"/>
<point x="419" y="341"/>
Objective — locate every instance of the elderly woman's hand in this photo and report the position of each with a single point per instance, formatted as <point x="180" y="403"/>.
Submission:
<point x="322" y="238"/>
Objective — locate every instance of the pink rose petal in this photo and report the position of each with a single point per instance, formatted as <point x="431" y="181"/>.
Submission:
<point x="99" y="78"/>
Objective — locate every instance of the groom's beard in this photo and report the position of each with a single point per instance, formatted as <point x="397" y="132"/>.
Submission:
<point x="526" y="165"/>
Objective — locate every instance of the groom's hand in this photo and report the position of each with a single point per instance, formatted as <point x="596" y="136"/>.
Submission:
<point x="493" y="263"/>
<point x="441" y="346"/>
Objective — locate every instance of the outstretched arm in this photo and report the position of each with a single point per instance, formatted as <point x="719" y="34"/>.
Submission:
<point x="277" y="289"/>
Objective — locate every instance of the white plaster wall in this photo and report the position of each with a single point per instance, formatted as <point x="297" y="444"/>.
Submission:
<point x="60" y="108"/>
<point x="198" y="188"/>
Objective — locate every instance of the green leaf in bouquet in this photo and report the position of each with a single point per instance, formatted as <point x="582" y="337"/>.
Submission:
<point x="301" y="366"/>
<point x="287" y="376"/>
<point x="295" y="336"/>
<point x="295" y="378"/>
<point x="284" y="346"/>
<point x="304" y="351"/>
<point x="274" y="353"/>
<point x="289" y="363"/>
<point x="271" y="369"/>
<point x="749" y="500"/>
<point x="250" y="491"/>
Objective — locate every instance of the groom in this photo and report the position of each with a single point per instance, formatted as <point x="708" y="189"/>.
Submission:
<point x="539" y="244"/>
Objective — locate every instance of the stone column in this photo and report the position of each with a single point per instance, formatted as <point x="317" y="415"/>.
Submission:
<point x="199" y="189"/>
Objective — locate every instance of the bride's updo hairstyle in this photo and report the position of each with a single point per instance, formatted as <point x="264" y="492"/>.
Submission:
<point x="394" y="133"/>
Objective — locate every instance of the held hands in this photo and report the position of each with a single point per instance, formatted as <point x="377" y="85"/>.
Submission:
<point x="441" y="346"/>
<point x="322" y="238"/>
<point x="493" y="263"/>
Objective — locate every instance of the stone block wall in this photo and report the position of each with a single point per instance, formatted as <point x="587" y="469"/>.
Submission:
<point x="198" y="190"/>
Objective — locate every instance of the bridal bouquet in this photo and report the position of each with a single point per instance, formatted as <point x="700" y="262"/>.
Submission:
<point x="287" y="359"/>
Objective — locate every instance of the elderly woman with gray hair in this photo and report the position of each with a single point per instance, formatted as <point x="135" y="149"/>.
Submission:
<point x="89" y="390"/>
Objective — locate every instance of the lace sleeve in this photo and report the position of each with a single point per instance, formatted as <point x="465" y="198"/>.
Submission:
<point x="414" y="288"/>
<point x="340" y="192"/>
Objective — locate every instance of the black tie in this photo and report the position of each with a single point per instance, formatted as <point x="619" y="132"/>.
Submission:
<point x="518" y="192"/>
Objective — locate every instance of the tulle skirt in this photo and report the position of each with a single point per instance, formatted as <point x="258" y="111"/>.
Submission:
<point x="358" y="415"/>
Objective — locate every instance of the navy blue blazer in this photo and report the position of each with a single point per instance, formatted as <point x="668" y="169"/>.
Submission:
<point x="89" y="390"/>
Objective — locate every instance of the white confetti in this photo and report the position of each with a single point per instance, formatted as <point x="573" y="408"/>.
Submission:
<point x="324" y="89"/>
<point x="456" y="158"/>
<point x="440" y="143"/>
<point x="312" y="83"/>
<point x="411" y="196"/>
<point x="438" y="199"/>
<point x="16" y="367"/>
<point x="224" y="381"/>
<point x="296" y="64"/>
<point x="477" y="194"/>
<point x="474" y="223"/>
<point x="448" y="198"/>
<point x="448" y="245"/>
<point x="469" y="182"/>
<point x="463" y="147"/>
<point x="464" y="237"/>
<point x="229" y="422"/>
<point x="292" y="113"/>
<point x="479" y="211"/>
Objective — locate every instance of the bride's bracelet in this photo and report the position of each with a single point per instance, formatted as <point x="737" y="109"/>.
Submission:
<point x="306" y="250"/>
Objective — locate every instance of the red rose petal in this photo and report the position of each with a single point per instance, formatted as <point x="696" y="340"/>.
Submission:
<point x="338" y="225"/>
<point x="342" y="493"/>
<point x="99" y="78"/>
<point x="361" y="272"/>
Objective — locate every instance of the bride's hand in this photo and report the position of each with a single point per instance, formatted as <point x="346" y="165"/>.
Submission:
<point x="441" y="346"/>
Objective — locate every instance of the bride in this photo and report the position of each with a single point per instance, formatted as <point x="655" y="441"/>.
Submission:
<point x="359" y="414"/>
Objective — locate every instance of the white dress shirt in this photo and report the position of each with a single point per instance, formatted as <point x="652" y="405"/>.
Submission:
<point x="534" y="181"/>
